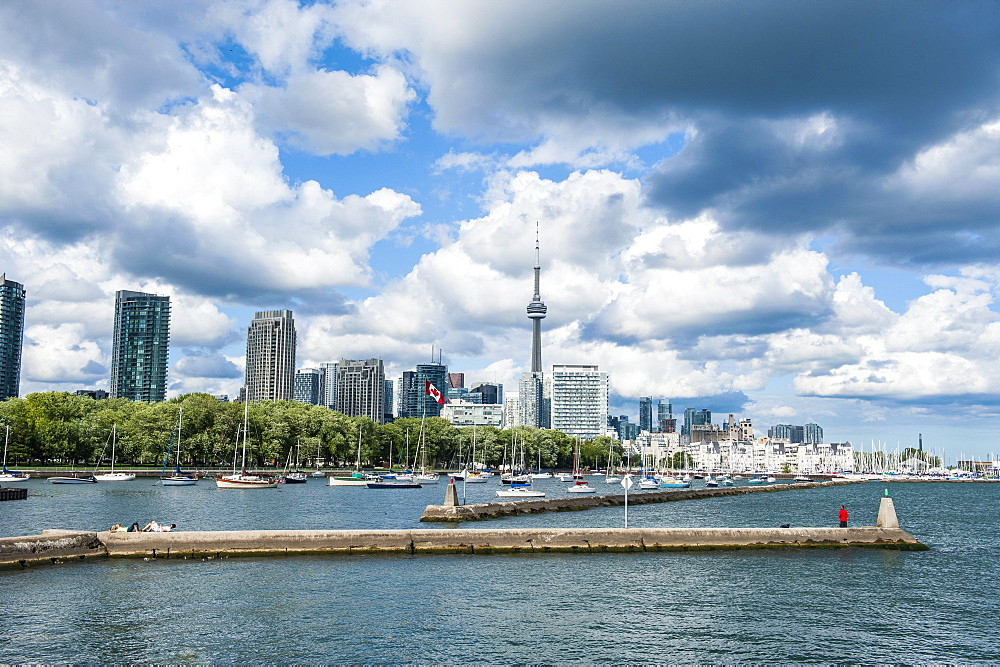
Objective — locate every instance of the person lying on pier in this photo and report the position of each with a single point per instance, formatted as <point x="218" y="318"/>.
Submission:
<point x="151" y="527"/>
<point x="134" y="528"/>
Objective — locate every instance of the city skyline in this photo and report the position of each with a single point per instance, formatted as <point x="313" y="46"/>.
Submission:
<point x="737" y="212"/>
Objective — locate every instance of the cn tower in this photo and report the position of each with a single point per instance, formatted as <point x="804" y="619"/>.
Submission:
<point x="536" y="313"/>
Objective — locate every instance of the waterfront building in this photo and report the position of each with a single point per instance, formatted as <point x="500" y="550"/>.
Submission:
<point x="694" y="417"/>
<point x="579" y="400"/>
<point x="414" y="401"/>
<point x="139" y="346"/>
<point x="491" y="392"/>
<point x="12" y="302"/>
<point x="309" y="385"/>
<point x="512" y="411"/>
<point x="328" y="393"/>
<point x="646" y="413"/>
<point x="461" y="413"/>
<point x="534" y="401"/>
<point x="361" y="389"/>
<point x="664" y="410"/>
<point x="96" y="394"/>
<point x="270" y="371"/>
<point x="812" y="434"/>
<point x="387" y="401"/>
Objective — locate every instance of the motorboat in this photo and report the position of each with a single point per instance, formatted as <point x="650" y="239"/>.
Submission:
<point x="295" y="477"/>
<point x="648" y="484"/>
<point x="519" y="491"/>
<point x="73" y="479"/>
<point x="756" y="481"/>
<point x="245" y="480"/>
<point x="581" y="487"/>
<point x="392" y="484"/>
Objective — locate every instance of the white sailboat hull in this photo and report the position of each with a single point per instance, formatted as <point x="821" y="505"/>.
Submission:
<point x="115" y="477"/>
<point x="246" y="482"/>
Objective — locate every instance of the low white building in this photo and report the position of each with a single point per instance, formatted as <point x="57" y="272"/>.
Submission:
<point x="461" y="413"/>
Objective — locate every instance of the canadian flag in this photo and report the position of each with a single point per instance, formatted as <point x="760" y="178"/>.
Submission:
<point x="433" y="392"/>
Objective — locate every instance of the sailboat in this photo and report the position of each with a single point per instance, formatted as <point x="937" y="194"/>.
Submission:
<point x="474" y="477"/>
<point x="243" y="479"/>
<point x="294" y="476"/>
<point x="10" y="475"/>
<point x="609" y="476"/>
<point x="317" y="472"/>
<point x="425" y="476"/>
<point x="581" y="485"/>
<point x="357" y="478"/>
<point x="179" y="478"/>
<point x="541" y="474"/>
<point x="114" y="476"/>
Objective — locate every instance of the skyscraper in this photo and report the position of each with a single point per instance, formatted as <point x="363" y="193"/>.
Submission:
<point x="361" y="389"/>
<point x="139" y="346"/>
<point x="309" y="384"/>
<point x="534" y="407"/>
<point x="646" y="413"/>
<point x="413" y="400"/>
<point x="12" y="298"/>
<point x="579" y="400"/>
<point x="270" y="373"/>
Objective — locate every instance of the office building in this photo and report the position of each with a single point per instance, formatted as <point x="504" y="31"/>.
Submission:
<point x="328" y="393"/>
<point x="139" y="346"/>
<point x="646" y="413"/>
<point x="361" y="389"/>
<point x="491" y="392"/>
<point x="309" y="384"/>
<point x="664" y="410"/>
<point x="413" y="398"/>
<point x="461" y="413"/>
<point x="456" y="380"/>
<point x="270" y="372"/>
<point x="512" y="411"/>
<point x="812" y="434"/>
<point x="579" y="400"/>
<point x="12" y="301"/>
<point x="694" y="418"/>
<point x="387" y="401"/>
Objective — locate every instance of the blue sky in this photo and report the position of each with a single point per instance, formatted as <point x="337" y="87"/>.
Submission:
<point x="786" y="210"/>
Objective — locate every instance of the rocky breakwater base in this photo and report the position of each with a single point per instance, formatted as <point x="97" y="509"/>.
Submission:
<point x="453" y="511"/>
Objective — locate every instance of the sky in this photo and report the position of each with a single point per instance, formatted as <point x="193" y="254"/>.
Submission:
<point x="782" y="209"/>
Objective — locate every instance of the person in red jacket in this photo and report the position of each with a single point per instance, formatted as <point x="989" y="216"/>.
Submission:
<point x="843" y="517"/>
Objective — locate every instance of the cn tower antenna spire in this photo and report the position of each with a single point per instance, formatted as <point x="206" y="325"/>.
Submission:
<point x="536" y="312"/>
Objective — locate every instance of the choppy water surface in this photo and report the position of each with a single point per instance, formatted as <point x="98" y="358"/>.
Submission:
<point x="709" y="607"/>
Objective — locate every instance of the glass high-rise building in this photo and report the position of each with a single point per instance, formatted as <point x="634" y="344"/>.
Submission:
<point x="139" y="346"/>
<point x="271" y="356"/>
<point x="12" y="299"/>
<point x="646" y="413"/>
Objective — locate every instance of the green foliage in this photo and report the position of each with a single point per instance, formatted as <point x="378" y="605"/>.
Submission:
<point x="62" y="428"/>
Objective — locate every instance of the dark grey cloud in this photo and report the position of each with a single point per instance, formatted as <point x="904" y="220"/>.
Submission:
<point x="896" y="77"/>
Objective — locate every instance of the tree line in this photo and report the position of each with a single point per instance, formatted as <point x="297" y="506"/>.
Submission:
<point x="59" y="428"/>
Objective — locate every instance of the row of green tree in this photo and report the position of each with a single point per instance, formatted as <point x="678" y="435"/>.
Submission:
<point x="62" y="428"/>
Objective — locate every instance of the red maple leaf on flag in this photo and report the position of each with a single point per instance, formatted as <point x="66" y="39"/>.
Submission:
<point x="433" y="392"/>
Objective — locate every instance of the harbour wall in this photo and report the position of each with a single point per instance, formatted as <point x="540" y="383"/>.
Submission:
<point x="52" y="546"/>
<point x="451" y="511"/>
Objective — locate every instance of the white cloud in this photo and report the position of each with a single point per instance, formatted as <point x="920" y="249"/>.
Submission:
<point x="335" y="112"/>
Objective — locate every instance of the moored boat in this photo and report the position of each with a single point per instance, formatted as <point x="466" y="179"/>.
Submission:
<point x="73" y="479"/>
<point x="519" y="491"/>
<point x="10" y="475"/>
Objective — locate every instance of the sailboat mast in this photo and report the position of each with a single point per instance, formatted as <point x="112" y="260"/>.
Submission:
<point x="246" y="422"/>
<point x="179" y="413"/>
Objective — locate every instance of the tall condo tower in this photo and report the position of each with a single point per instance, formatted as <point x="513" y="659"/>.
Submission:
<point x="271" y="356"/>
<point x="12" y="297"/>
<point x="139" y="346"/>
<point x="536" y="313"/>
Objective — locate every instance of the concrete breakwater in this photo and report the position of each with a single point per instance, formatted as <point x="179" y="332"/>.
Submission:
<point x="62" y="546"/>
<point x="452" y="511"/>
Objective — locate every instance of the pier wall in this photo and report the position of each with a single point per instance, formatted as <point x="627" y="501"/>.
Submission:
<point x="220" y="544"/>
<point x="501" y="508"/>
<point x="52" y="546"/>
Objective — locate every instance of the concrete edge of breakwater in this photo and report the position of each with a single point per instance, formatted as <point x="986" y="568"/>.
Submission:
<point x="452" y="511"/>
<point x="63" y="546"/>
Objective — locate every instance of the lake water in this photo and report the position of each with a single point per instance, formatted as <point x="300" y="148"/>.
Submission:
<point x="787" y="606"/>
